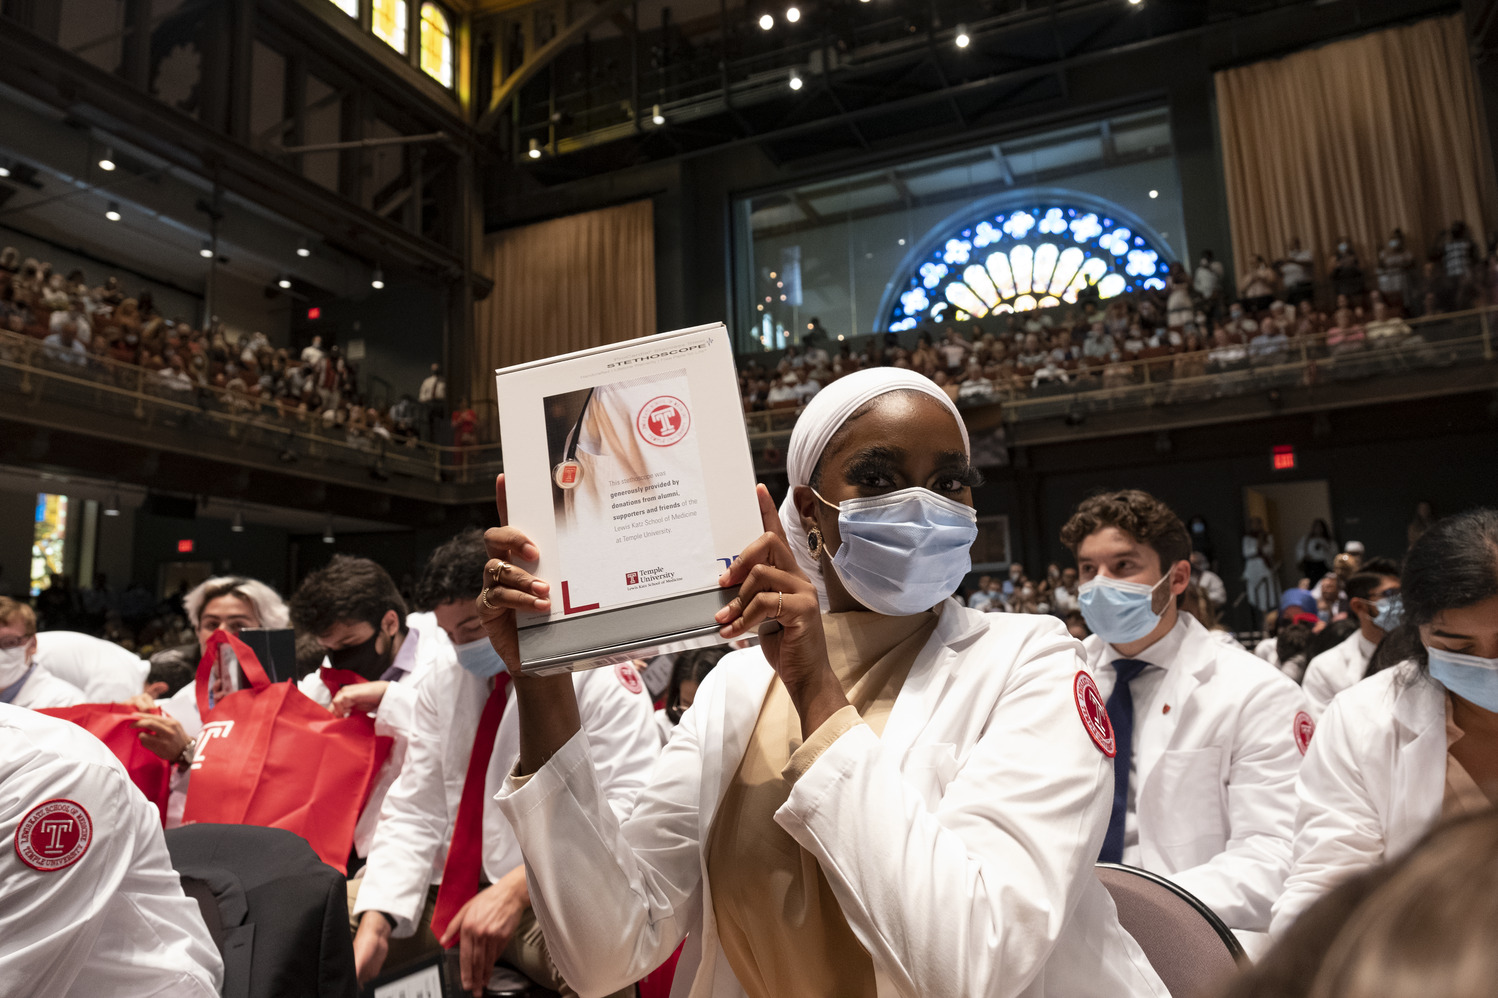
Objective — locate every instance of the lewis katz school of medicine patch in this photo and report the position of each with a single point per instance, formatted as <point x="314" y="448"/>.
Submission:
<point x="54" y="835"/>
<point x="1094" y="714"/>
<point x="629" y="677"/>
<point x="1304" y="729"/>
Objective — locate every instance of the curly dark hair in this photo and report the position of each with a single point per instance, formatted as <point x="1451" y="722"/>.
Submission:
<point x="1140" y="515"/>
<point x="346" y="590"/>
<point x="454" y="572"/>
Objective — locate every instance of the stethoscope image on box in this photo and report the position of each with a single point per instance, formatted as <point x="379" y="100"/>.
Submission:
<point x="569" y="473"/>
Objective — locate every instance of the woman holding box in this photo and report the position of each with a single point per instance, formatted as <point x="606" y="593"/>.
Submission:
<point x="893" y="794"/>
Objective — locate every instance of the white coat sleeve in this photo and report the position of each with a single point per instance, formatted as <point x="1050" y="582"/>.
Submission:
<point x="1242" y="882"/>
<point x="613" y="899"/>
<point x="413" y="824"/>
<point x="397" y="711"/>
<point x="1318" y="684"/>
<point x="623" y="736"/>
<point x="958" y="875"/>
<point x="1337" y="827"/>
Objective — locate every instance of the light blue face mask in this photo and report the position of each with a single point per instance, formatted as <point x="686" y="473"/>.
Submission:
<point x="480" y="658"/>
<point x="1471" y="677"/>
<point x="1119" y="612"/>
<point x="903" y="552"/>
<point x="1390" y="612"/>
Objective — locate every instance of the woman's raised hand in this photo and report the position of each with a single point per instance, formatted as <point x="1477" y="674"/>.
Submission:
<point x="772" y="588"/>
<point x="507" y="586"/>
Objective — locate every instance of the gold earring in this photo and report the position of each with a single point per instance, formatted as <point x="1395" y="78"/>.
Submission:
<point x="814" y="540"/>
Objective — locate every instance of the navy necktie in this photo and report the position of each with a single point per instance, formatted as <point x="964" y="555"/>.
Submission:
<point x="1121" y="715"/>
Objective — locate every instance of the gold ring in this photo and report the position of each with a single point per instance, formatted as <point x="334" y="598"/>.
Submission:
<point x="484" y="599"/>
<point x="779" y="605"/>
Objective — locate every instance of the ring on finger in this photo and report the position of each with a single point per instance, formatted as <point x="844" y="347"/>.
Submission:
<point x="484" y="599"/>
<point x="779" y="605"/>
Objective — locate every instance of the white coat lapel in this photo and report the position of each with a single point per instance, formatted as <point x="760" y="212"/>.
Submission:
<point x="1193" y="663"/>
<point x="930" y="676"/>
<point x="1419" y="780"/>
<point x="736" y="702"/>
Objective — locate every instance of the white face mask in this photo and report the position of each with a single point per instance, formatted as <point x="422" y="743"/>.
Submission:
<point x="13" y="665"/>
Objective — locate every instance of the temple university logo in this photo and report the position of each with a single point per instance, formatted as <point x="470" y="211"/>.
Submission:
<point x="53" y="836"/>
<point x="631" y="578"/>
<point x="663" y="420"/>
<point x="1094" y="714"/>
<point x="211" y="730"/>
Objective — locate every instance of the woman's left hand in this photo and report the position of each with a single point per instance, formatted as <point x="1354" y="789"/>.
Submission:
<point x="772" y="587"/>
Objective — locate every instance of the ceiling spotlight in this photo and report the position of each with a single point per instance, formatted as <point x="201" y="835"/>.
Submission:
<point x="113" y="214"/>
<point x="302" y="250"/>
<point x="656" y="118"/>
<point x="535" y="152"/>
<point x="377" y="279"/>
<point x="962" y="39"/>
<point x="1154" y="194"/>
<point x="327" y="532"/>
<point x="106" y="161"/>
<point x="237" y="524"/>
<point x="766" y="21"/>
<point x="285" y="283"/>
<point x="902" y="242"/>
<point x="113" y="509"/>
<point x="796" y="81"/>
<point x="206" y="250"/>
<point x="4" y="170"/>
<point x="1135" y="3"/>
<point x="793" y="14"/>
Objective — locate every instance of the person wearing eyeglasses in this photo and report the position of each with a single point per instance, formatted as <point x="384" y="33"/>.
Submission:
<point x="891" y="794"/>
<point x="1414" y="743"/>
<point x="24" y="682"/>
<point x="1373" y="598"/>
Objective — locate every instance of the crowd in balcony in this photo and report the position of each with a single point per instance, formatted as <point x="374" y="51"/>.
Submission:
<point x="1190" y="328"/>
<point x="104" y="332"/>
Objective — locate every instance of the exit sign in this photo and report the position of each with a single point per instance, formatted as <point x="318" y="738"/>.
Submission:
<point x="1283" y="456"/>
<point x="184" y="546"/>
<point x="314" y="312"/>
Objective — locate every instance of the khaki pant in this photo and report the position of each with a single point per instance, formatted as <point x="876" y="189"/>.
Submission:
<point x="526" y="952"/>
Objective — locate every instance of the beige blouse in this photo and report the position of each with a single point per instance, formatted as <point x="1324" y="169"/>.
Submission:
<point x="1463" y="795"/>
<point x="778" y="921"/>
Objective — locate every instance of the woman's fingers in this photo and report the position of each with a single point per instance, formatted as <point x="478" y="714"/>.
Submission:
<point x="508" y="543"/>
<point x="762" y="580"/>
<point x="508" y="587"/>
<point x="501" y="500"/>
<point x="770" y="605"/>
<point x="768" y="514"/>
<point x="767" y="549"/>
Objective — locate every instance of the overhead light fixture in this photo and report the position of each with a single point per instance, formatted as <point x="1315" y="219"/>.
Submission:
<point x="902" y="242"/>
<point x="4" y="170"/>
<point x="1154" y="194"/>
<point x="1135" y="3"/>
<point x="206" y="250"/>
<point x="106" y="161"/>
<point x="535" y="152"/>
<point x="793" y="14"/>
<point x="237" y="524"/>
<point x="113" y="507"/>
<point x="796" y="81"/>
<point x="113" y="214"/>
<point x="963" y="40"/>
<point x="377" y="279"/>
<point x="327" y="532"/>
<point x="766" y="21"/>
<point x="284" y="283"/>
<point x="656" y="118"/>
<point x="302" y="250"/>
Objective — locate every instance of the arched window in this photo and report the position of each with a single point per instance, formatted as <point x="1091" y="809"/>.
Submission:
<point x="349" y="7"/>
<point x="436" y="44"/>
<point x="387" y="19"/>
<point x="1033" y="254"/>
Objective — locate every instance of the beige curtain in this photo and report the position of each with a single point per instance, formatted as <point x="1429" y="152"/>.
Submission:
<point x="1356" y="138"/>
<point x="563" y="285"/>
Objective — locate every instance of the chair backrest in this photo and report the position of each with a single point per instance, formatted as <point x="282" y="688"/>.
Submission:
<point x="202" y="892"/>
<point x="1189" y="946"/>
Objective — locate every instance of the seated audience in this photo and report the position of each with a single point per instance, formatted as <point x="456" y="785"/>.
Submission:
<point x="1373" y="599"/>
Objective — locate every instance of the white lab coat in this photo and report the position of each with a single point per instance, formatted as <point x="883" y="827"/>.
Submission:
<point x="114" y="921"/>
<point x="1215" y="758"/>
<point x="410" y="842"/>
<point x="103" y="670"/>
<point x="1371" y="786"/>
<point x="1336" y="669"/>
<point x="42" y="689"/>
<point x="960" y="845"/>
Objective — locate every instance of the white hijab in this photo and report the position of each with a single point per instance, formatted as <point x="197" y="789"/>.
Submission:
<point x="823" y="416"/>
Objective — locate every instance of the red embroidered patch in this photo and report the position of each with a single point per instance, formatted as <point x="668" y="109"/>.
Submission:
<point x="629" y="678"/>
<point x="1304" y="729"/>
<point x="1094" y="714"/>
<point x="54" y="835"/>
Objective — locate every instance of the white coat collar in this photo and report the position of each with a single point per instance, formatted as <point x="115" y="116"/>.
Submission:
<point x="1418" y="784"/>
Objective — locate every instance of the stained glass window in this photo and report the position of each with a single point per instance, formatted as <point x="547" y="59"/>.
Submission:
<point x="436" y="44"/>
<point x="1024" y="258"/>
<point x="388" y="21"/>
<point x="48" y="535"/>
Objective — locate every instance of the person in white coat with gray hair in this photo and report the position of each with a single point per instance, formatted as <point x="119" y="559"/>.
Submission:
<point x="891" y="795"/>
<point x="1414" y="743"/>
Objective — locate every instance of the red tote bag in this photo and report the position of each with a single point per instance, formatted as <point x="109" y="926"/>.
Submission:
<point x="271" y="756"/>
<point x="113" y="724"/>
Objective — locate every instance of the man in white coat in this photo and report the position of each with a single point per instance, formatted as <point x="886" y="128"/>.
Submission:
<point x="378" y="656"/>
<point x="1210" y="737"/>
<point x="490" y="920"/>
<point x="92" y="904"/>
<point x="1373" y="597"/>
<point x="23" y="681"/>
